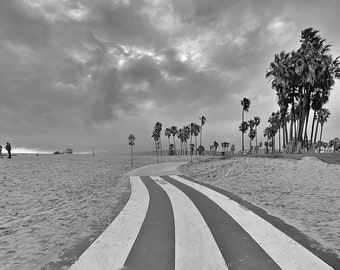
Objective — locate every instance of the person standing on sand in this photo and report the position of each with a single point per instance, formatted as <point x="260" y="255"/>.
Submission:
<point x="9" y="149"/>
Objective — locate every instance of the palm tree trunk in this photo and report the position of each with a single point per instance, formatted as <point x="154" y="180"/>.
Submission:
<point x="286" y="134"/>
<point x="173" y="136"/>
<point x="279" y="140"/>
<point x="242" y="132"/>
<point x="313" y="124"/>
<point x="191" y="151"/>
<point x="201" y="130"/>
<point x="291" y="124"/>
<point x="320" y="136"/>
<point x="316" y="129"/>
<point x="256" y="135"/>
<point x="196" y="145"/>
<point x="307" y="115"/>
<point x="302" y="105"/>
<point x="156" y="148"/>
<point x="160" y="143"/>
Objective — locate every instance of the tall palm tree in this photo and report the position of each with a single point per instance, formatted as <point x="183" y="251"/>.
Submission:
<point x="196" y="131"/>
<point x="174" y="132"/>
<point x="316" y="106"/>
<point x="297" y="77"/>
<point x="243" y="128"/>
<point x="252" y="134"/>
<point x="156" y="135"/>
<point x="324" y="114"/>
<point x="167" y="133"/>
<point x="257" y="121"/>
<point x="180" y="136"/>
<point x="251" y="124"/>
<point x="158" y="128"/>
<point x="245" y="103"/>
<point x="203" y="120"/>
<point x="187" y="136"/>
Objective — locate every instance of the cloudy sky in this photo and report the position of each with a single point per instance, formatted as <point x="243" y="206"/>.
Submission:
<point x="90" y="72"/>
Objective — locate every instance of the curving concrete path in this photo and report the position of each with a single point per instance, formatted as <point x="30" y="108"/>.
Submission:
<point x="173" y="222"/>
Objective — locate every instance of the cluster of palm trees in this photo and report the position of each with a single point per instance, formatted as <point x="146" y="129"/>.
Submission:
<point x="156" y="135"/>
<point x="187" y="136"/>
<point x="303" y="80"/>
<point x="251" y="124"/>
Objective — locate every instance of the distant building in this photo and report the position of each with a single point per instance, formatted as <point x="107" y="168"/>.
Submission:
<point x="69" y="151"/>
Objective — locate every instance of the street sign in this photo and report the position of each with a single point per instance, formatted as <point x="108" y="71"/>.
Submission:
<point x="131" y="138"/>
<point x="131" y="143"/>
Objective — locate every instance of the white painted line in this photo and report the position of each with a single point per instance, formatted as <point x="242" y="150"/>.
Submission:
<point x="195" y="246"/>
<point x="286" y="252"/>
<point x="113" y="246"/>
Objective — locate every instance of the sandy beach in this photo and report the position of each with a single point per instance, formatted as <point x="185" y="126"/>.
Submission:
<point x="53" y="206"/>
<point x="304" y="193"/>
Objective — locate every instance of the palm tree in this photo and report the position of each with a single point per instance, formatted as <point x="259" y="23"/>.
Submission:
<point x="203" y="120"/>
<point x="257" y="121"/>
<point x="245" y="103"/>
<point x="167" y="133"/>
<point x="174" y="132"/>
<point x="324" y="114"/>
<point x="158" y="128"/>
<point x="180" y="136"/>
<point x="196" y="131"/>
<point x="269" y="132"/>
<point x="317" y="103"/>
<point x="156" y="135"/>
<point x="298" y="76"/>
<point x="243" y="128"/>
<point x="187" y="136"/>
<point x="252" y="133"/>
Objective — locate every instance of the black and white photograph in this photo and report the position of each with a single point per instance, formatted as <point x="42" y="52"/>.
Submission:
<point x="169" y="135"/>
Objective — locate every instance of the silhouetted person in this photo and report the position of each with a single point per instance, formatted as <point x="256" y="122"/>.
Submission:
<point x="9" y="149"/>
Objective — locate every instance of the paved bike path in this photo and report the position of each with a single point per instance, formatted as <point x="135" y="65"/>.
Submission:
<point x="173" y="222"/>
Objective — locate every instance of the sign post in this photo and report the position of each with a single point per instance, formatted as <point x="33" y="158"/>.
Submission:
<point x="131" y="139"/>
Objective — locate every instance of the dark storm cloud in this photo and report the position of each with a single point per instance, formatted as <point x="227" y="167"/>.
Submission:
<point x="72" y="66"/>
<point x="124" y="23"/>
<point x="109" y="98"/>
<point x="141" y="70"/>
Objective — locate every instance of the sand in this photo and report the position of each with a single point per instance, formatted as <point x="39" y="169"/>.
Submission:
<point x="304" y="193"/>
<point x="53" y="206"/>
